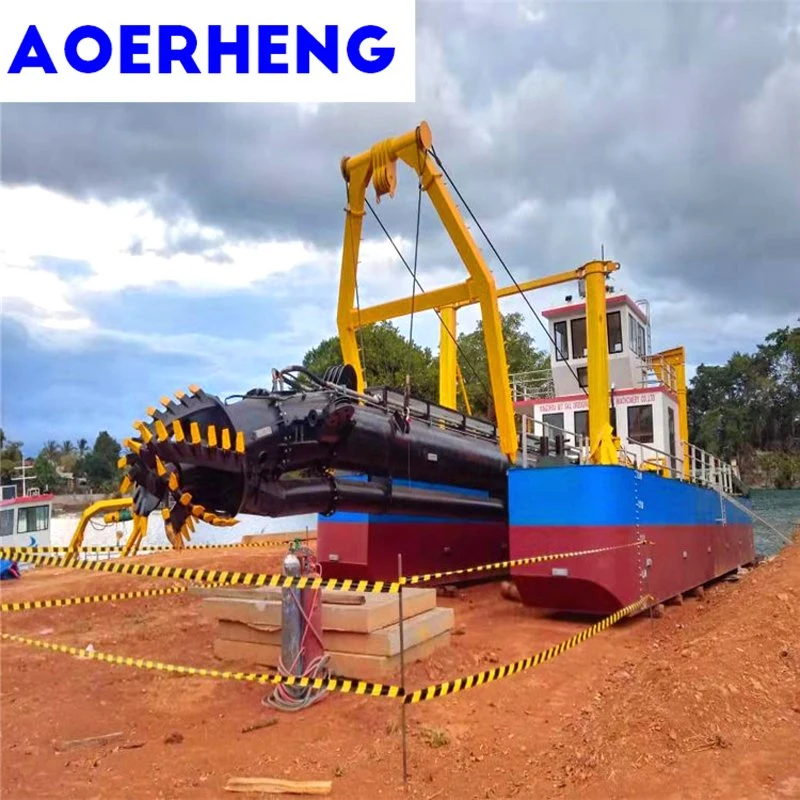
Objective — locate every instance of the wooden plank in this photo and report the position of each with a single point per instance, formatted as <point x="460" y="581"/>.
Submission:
<point x="346" y="665"/>
<point x="382" y="642"/>
<point x="68" y="744"/>
<point x="277" y="786"/>
<point x="377" y="611"/>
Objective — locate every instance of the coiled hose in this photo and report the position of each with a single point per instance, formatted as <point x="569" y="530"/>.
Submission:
<point x="295" y="698"/>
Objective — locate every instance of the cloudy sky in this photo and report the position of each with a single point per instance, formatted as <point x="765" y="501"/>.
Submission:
<point x="146" y="247"/>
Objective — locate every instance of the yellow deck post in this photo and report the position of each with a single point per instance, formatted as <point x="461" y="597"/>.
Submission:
<point x="601" y="442"/>
<point x="448" y="374"/>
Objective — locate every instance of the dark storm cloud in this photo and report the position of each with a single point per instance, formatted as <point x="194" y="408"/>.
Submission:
<point x="670" y="132"/>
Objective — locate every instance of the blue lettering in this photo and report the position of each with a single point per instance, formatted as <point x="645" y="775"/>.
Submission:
<point x="88" y="65"/>
<point x="381" y="56"/>
<point x="24" y="59"/>
<point x="184" y="55"/>
<point x="128" y="49"/>
<point x="267" y="48"/>
<point x="217" y="48"/>
<point x="327" y="53"/>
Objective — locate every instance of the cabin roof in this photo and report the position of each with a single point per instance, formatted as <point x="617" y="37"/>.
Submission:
<point x="611" y="301"/>
<point x="27" y="500"/>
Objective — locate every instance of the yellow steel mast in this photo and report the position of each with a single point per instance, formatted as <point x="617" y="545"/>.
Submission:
<point x="378" y="166"/>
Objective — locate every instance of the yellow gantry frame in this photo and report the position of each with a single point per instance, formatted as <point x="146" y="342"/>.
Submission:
<point x="378" y="166"/>
<point x="676" y="358"/>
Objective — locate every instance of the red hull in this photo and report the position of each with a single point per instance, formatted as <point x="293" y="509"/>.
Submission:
<point x="676" y="559"/>
<point x="368" y="550"/>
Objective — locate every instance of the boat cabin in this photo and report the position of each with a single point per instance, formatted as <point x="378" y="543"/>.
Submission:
<point x="25" y="521"/>
<point x="643" y="389"/>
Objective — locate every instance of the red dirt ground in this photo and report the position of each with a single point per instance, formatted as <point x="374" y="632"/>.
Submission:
<point x="703" y="703"/>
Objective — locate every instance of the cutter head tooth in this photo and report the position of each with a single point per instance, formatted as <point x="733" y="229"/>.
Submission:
<point x="240" y="442"/>
<point x="126" y="484"/>
<point x="143" y="430"/>
<point x="172" y="482"/>
<point x="185" y="499"/>
<point x="194" y="433"/>
<point x="194" y="388"/>
<point x="161" y="431"/>
<point x="132" y="445"/>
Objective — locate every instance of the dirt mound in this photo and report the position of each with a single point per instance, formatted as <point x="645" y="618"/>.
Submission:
<point x="717" y="690"/>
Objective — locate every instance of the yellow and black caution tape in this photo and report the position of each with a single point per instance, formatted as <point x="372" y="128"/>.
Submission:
<point x="205" y="576"/>
<point x="61" y="602"/>
<point x="518" y="562"/>
<point x="345" y="685"/>
<point x="227" y="577"/>
<point x="155" y="548"/>
<point x="507" y="670"/>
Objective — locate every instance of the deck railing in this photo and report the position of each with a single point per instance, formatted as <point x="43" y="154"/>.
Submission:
<point x="705" y="469"/>
<point x="532" y="385"/>
<point x="656" y="371"/>
<point x="537" y="438"/>
<point x="710" y="470"/>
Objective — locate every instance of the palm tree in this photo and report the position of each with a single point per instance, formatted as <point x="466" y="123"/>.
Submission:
<point x="51" y="449"/>
<point x="67" y="447"/>
<point x="83" y="445"/>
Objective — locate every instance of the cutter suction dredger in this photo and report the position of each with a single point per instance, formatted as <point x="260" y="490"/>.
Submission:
<point x="308" y="449"/>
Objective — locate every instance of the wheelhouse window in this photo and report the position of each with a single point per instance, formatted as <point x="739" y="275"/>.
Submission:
<point x="7" y="522"/>
<point x="637" y="336"/>
<point x="30" y="520"/>
<point x="581" y="424"/>
<point x="560" y="336"/>
<point x="578" y="331"/>
<point x="614" y="326"/>
<point x="553" y="424"/>
<point x="640" y="423"/>
<point x="583" y="377"/>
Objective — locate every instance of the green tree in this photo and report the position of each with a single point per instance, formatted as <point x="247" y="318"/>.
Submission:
<point x="45" y="471"/>
<point x="100" y="465"/>
<point x="10" y="457"/>
<point x="521" y="355"/>
<point x="83" y="446"/>
<point x="750" y="406"/>
<point x="386" y="356"/>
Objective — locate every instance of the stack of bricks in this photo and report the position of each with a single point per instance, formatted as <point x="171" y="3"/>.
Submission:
<point x="360" y="632"/>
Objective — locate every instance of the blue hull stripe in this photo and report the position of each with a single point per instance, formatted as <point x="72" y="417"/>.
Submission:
<point x="611" y="495"/>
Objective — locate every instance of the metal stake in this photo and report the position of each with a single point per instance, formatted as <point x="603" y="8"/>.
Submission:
<point x="402" y="670"/>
